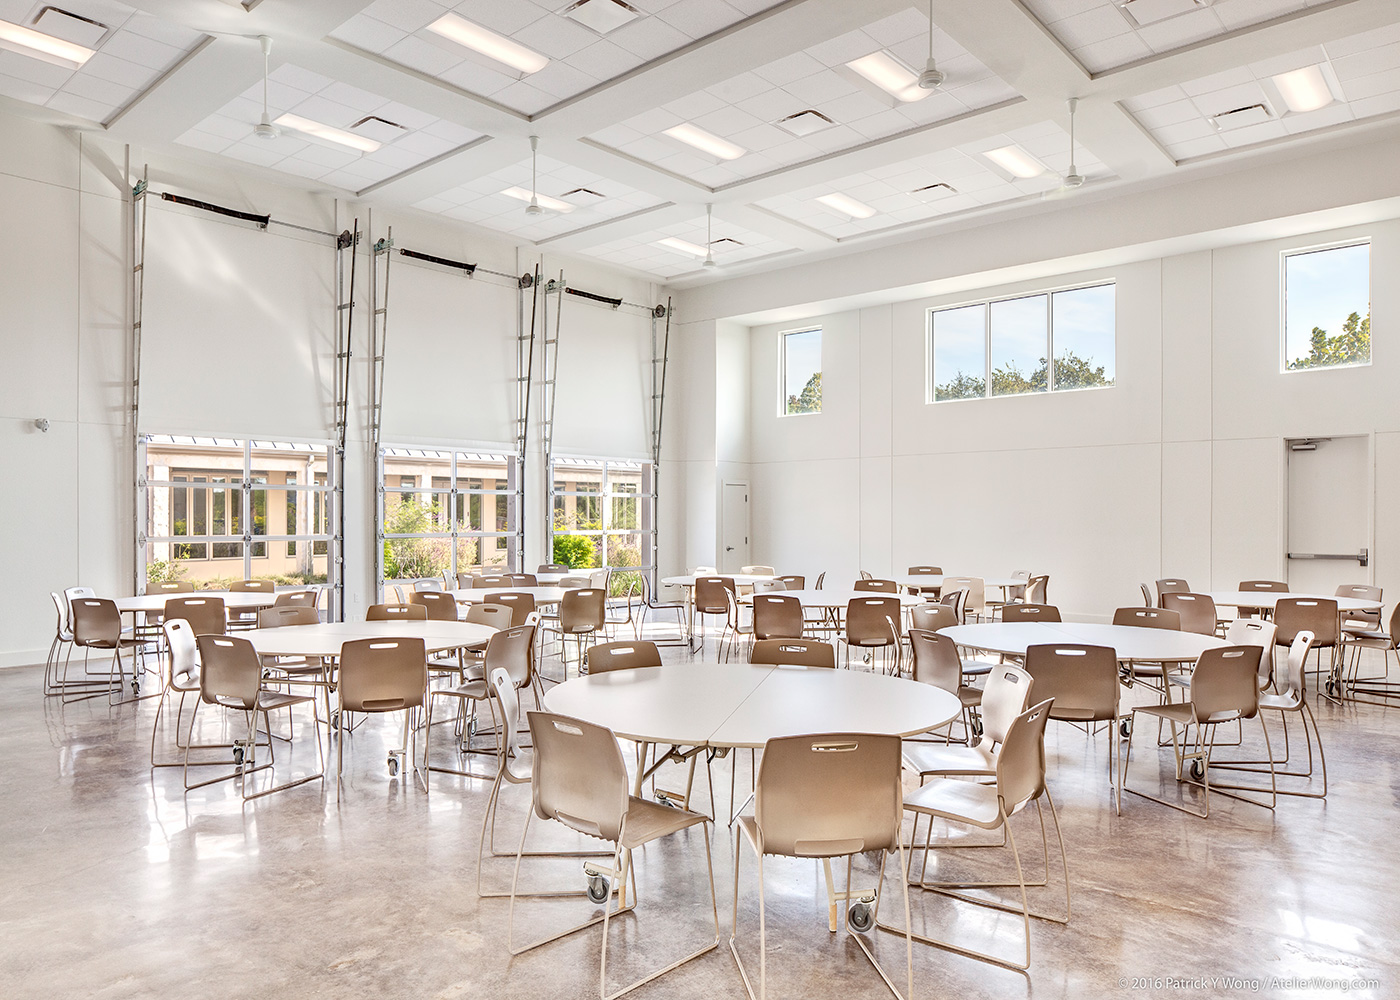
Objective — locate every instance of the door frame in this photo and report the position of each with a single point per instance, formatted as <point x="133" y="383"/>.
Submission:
<point x="1285" y="451"/>
<point x="723" y="528"/>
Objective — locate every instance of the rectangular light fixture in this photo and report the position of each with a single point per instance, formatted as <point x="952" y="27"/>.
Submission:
<point x="693" y="135"/>
<point x="1142" y="12"/>
<point x="890" y="75"/>
<point x="489" y="44"/>
<point x="553" y="204"/>
<point x="1304" y="90"/>
<point x="682" y="246"/>
<point x="28" y="42"/>
<point x="846" y="205"/>
<point x="336" y="135"/>
<point x="1254" y="114"/>
<point x="1016" y="161"/>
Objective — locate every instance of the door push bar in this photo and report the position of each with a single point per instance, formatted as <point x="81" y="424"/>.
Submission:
<point x="1363" y="557"/>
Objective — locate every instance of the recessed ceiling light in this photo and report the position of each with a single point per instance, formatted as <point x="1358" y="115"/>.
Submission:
<point x="846" y="205"/>
<point x="489" y="44"/>
<point x="682" y="246"/>
<point x="1254" y="114"/>
<point x="1304" y="90"/>
<point x="602" y="15"/>
<point x="932" y="192"/>
<point x="1016" y="161"/>
<point x="890" y="75"/>
<point x="336" y="135"/>
<point x="804" y="122"/>
<point x="697" y="137"/>
<point x="71" y="27"/>
<point x="1141" y="12"/>
<point x="381" y="130"/>
<point x="36" y="44"/>
<point x="553" y="204"/>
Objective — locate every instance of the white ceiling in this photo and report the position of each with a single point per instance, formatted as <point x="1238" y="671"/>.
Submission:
<point x="186" y="75"/>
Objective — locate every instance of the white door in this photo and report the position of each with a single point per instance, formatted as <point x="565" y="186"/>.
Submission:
<point x="1329" y="487"/>
<point x="734" y="527"/>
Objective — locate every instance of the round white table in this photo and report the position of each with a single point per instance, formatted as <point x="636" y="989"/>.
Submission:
<point x="1129" y="642"/>
<point x="542" y="595"/>
<point x="552" y="579"/>
<point x="934" y="581"/>
<point x="1268" y="598"/>
<point x="244" y="600"/>
<point x="837" y="598"/>
<point x="740" y="579"/>
<point x="325" y="640"/>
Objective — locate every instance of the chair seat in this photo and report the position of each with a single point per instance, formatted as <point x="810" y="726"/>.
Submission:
<point x="963" y="801"/>
<point x="1280" y="702"/>
<point x="1373" y="634"/>
<point x="1182" y="714"/>
<point x="270" y="700"/>
<point x="976" y="668"/>
<point x="925" y="759"/>
<point x="646" y="821"/>
<point x="970" y="696"/>
<point x="475" y="689"/>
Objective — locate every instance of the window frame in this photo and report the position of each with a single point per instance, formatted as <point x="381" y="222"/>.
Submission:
<point x="607" y="497"/>
<point x="1365" y="241"/>
<point x="930" y="372"/>
<point x="782" y="369"/>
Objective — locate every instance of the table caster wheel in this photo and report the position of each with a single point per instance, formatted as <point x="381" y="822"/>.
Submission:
<point x="1331" y="688"/>
<point x="598" y="889"/>
<point x="976" y="727"/>
<point x="393" y="766"/>
<point x="1198" y="770"/>
<point x="335" y="719"/>
<point x="237" y="756"/>
<point x="1125" y="728"/>
<point x="136" y="688"/>
<point x="859" y="918"/>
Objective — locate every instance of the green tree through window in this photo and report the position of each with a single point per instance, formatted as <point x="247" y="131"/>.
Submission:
<point x="1350" y="347"/>
<point x="810" y="399"/>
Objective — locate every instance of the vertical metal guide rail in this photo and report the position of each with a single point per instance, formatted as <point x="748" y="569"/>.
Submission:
<point x="346" y="246"/>
<point x="138" y="288"/>
<point x="659" y="359"/>
<point x="378" y="328"/>
<point x="550" y="369"/>
<point x="524" y="373"/>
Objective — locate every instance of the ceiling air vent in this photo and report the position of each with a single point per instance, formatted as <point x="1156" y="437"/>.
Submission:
<point x="70" y="27"/>
<point x="602" y="16"/>
<point x="804" y="122"/>
<point x="932" y="192"/>
<point x="381" y="130"/>
<point x="1253" y="114"/>
<point x="583" y="196"/>
<point x="725" y="243"/>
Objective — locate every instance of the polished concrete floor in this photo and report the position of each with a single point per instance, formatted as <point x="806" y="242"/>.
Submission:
<point x="118" y="884"/>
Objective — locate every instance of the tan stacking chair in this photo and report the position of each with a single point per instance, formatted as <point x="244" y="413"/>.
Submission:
<point x="378" y="676"/>
<point x="63" y="635"/>
<point x="925" y="571"/>
<point x="777" y="617"/>
<point x="626" y="655"/>
<point x="440" y="606"/>
<point x="522" y="606"/>
<point x="496" y="616"/>
<point x="955" y="599"/>
<point x="1261" y="586"/>
<point x="1147" y="601"/>
<point x="1171" y="585"/>
<point x="649" y="603"/>
<point x="821" y="578"/>
<point x="1154" y="675"/>
<point x="312" y="670"/>
<point x="825" y="796"/>
<point x="230" y="677"/>
<point x="178" y="587"/>
<point x="757" y="571"/>
<point x="1007" y="695"/>
<point x="1015" y="593"/>
<point x="1082" y="683"/>
<point x="573" y="582"/>
<point x="248" y="618"/>
<point x="580" y="782"/>
<point x="878" y="586"/>
<point x="767" y="586"/>
<point x="1197" y="611"/>
<point x="874" y="623"/>
<point x="711" y="598"/>
<point x="975" y="601"/>
<point x="494" y="581"/>
<point x="298" y="599"/>
<point x="793" y="653"/>
<point x="1020" y="780"/>
<point x="181" y="677"/>
<point x="396" y="613"/>
<point x="1224" y="688"/>
<point x="509" y="650"/>
<point x="1371" y="689"/>
<point x="428" y="585"/>
<point x="97" y="625"/>
<point x="932" y="617"/>
<point x="1036" y="587"/>
<point x="205" y="614"/>
<point x="1245" y="632"/>
<point x="1319" y="616"/>
<point x="1360" y="621"/>
<point x="936" y="662"/>
<point x="582" y="617"/>
<point x="1030" y="613"/>
<point x="552" y="568"/>
<point x="522" y="580"/>
<point x="735" y="629"/>
<point x="793" y="581"/>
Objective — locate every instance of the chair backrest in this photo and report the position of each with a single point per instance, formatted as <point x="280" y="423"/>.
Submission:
<point x="1021" y="760"/>
<point x="440" y="605"/>
<point x="776" y="616"/>
<point x="510" y="649"/>
<point x="96" y="622"/>
<point x="230" y="671"/>
<point x="1030" y="613"/>
<point x="925" y="570"/>
<point x="758" y="571"/>
<point x="1147" y="601"/>
<point x="1082" y="680"/>
<point x="1362" y="592"/>
<point x="768" y="586"/>
<point x="1317" y="615"/>
<point x="276" y="617"/>
<point x="396" y="613"/>
<point x="793" y="653"/>
<point x="571" y="582"/>
<point x="182" y="648"/>
<point x="61" y="609"/>
<point x="793" y="581"/>
<point x="1007" y="695"/>
<point x="1036" y="587"/>
<point x="936" y="660"/>
<point x="579" y="778"/>
<point x="976" y="587"/>
<point x="498" y="616"/>
<point x="382" y="675"/>
<point x="297" y="599"/>
<point x="879" y="586"/>
<point x="866" y="575"/>
<point x="493" y="582"/>
<point x="583" y="609"/>
<point x="70" y="594"/>
<point x="1265" y="586"/>
<point x="522" y="580"/>
<point x="873" y="621"/>
<point x="464" y="579"/>
<point x="507" y="699"/>
<point x="1224" y="683"/>
<point x="821" y="578"/>
<point x="933" y="616"/>
<point x="1293" y="684"/>
<point x="552" y="568"/>
<point x="1255" y="632"/>
<point x="252" y="587"/>
<point x="428" y="584"/>
<point x="205" y="614"/>
<point x="521" y="606"/>
<point x="710" y="594"/>
<point x="1148" y="618"/>
<point x="1197" y="611"/>
<point x="175" y="587"/>
<point x="828" y="795"/>
<point x="955" y="599"/>
<point x="1171" y="585"/>
<point x="605" y="656"/>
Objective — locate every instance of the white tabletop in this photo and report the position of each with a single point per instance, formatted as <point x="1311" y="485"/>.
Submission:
<point x="552" y="579"/>
<point x="1268" y="598"/>
<point x="837" y="598"/>
<point x="740" y="579"/>
<point x="741" y="705"/>
<point x="326" y="639"/>
<point x="934" y="580"/>
<point x="245" y="600"/>
<point x="1129" y="641"/>
<point x="483" y="595"/>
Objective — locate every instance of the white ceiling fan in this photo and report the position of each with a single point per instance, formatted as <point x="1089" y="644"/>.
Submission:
<point x="932" y="77"/>
<point x="534" y="208"/>
<point x="709" y="260"/>
<point x="1072" y="179"/>
<point x="264" y="129"/>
